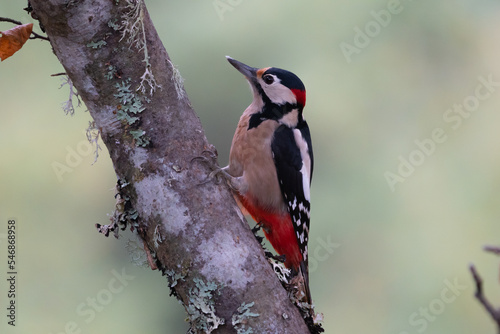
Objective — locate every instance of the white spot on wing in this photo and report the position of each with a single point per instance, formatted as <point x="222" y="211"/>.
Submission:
<point x="302" y="208"/>
<point x="301" y="238"/>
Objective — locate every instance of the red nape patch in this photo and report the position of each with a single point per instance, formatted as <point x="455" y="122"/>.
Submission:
<point x="300" y="95"/>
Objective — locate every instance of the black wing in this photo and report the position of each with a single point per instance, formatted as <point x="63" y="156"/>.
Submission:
<point x="291" y="153"/>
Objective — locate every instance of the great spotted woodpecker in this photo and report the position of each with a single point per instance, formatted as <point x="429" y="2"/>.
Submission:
<point x="271" y="163"/>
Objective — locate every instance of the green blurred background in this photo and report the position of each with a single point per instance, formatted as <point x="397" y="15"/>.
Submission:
<point x="382" y="260"/>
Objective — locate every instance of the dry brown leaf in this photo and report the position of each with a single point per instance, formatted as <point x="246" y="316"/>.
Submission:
<point x="12" y="40"/>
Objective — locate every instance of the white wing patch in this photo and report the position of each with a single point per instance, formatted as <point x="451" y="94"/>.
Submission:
<point x="306" y="163"/>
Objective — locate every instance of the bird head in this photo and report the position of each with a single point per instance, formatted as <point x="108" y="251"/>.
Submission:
<point x="277" y="94"/>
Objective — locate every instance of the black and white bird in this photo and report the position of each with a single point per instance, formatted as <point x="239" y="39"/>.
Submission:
<point x="271" y="163"/>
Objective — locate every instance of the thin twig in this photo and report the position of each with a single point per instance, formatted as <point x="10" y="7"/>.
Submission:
<point x="35" y="35"/>
<point x="495" y="314"/>
<point x="6" y="19"/>
<point x="492" y="249"/>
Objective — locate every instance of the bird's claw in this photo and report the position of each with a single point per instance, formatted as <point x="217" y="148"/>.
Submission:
<point x="216" y="175"/>
<point x="278" y="258"/>
<point x="211" y="161"/>
<point x="255" y="230"/>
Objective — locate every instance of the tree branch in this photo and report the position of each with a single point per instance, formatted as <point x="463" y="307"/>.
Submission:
<point x="492" y="311"/>
<point x="35" y="35"/>
<point x="115" y="59"/>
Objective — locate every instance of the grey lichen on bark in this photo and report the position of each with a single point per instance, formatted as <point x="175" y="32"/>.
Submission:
<point x="201" y="240"/>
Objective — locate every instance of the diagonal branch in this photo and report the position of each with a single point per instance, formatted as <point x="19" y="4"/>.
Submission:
<point x="195" y="232"/>
<point x="492" y="311"/>
<point x="495" y="314"/>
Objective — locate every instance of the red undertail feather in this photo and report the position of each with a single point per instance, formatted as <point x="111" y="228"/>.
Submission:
<point x="278" y="229"/>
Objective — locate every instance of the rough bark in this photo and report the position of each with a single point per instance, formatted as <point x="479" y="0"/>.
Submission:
<point x="201" y="241"/>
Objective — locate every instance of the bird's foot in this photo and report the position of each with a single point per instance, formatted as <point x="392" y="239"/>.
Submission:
<point x="277" y="258"/>
<point x="218" y="173"/>
<point x="210" y="159"/>
<point x="256" y="230"/>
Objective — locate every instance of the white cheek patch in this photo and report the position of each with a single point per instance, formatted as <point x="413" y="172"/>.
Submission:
<point x="278" y="93"/>
<point x="290" y="119"/>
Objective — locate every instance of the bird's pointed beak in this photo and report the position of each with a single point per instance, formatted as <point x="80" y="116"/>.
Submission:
<point x="249" y="72"/>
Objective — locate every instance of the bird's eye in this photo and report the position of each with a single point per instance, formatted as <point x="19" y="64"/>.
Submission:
<point x="268" y="79"/>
